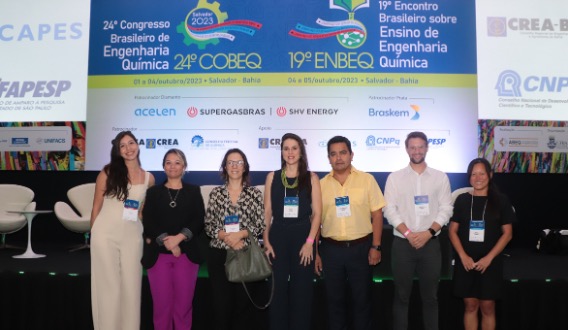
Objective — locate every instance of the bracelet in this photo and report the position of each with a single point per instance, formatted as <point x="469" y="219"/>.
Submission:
<point x="407" y="232"/>
<point x="310" y="240"/>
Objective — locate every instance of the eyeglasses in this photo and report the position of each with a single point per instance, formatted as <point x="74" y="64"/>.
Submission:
<point x="238" y="163"/>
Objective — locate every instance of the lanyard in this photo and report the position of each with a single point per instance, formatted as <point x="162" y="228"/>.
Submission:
<point x="471" y="210"/>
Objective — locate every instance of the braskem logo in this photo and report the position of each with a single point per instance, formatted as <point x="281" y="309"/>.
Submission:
<point x="396" y="113"/>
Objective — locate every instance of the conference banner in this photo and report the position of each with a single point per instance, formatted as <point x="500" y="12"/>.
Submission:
<point x="207" y="76"/>
<point x="523" y="84"/>
<point x="43" y="84"/>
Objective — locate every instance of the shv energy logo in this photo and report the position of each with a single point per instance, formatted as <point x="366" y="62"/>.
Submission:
<point x="510" y="83"/>
<point x="395" y="113"/>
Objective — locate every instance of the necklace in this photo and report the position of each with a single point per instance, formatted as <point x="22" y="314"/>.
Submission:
<point x="285" y="180"/>
<point x="173" y="200"/>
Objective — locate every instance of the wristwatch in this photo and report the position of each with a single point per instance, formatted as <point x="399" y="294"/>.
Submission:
<point x="432" y="231"/>
<point x="376" y="247"/>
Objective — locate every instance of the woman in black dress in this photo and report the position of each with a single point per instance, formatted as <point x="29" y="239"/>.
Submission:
<point x="292" y="206"/>
<point x="479" y="231"/>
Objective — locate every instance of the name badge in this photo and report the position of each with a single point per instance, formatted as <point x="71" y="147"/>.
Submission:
<point x="421" y="205"/>
<point x="291" y="207"/>
<point x="476" y="230"/>
<point x="342" y="207"/>
<point x="131" y="210"/>
<point x="232" y="223"/>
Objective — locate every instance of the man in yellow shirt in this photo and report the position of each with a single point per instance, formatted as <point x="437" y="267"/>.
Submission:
<point x="352" y="225"/>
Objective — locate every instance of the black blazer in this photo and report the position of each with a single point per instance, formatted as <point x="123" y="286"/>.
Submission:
<point x="158" y="218"/>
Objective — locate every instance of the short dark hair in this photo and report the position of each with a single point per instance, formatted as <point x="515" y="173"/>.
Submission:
<point x="339" y="139"/>
<point x="413" y="135"/>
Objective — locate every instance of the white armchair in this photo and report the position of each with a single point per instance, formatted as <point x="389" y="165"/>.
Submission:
<point x="460" y="191"/>
<point x="81" y="198"/>
<point x="13" y="198"/>
<point x="205" y="191"/>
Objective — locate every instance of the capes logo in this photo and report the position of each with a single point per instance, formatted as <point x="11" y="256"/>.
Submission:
<point x="510" y="83"/>
<point x="28" y="32"/>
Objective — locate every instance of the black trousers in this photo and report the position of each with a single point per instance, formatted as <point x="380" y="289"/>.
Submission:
<point x="231" y="307"/>
<point x="345" y="267"/>
<point x="291" y="306"/>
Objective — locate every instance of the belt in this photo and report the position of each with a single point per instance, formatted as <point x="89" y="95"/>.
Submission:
<point x="347" y="243"/>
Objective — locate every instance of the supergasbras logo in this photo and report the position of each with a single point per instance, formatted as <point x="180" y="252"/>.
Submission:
<point x="206" y="24"/>
<point x="350" y="33"/>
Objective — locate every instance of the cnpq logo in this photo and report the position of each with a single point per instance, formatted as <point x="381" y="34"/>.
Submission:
<point x="206" y="24"/>
<point x="510" y="83"/>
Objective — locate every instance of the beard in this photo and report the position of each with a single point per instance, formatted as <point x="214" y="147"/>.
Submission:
<point x="417" y="161"/>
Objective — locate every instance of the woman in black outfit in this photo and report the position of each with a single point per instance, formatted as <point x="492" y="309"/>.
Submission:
<point x="479" y="231"/>
<point x="292" y="205"/>
<point x="173" y="218"/>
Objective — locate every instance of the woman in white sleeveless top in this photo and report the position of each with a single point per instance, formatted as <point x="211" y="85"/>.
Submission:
<point x="116" y="237"/>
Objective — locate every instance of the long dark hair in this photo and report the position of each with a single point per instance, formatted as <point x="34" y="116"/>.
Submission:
<point x="116" y="170"/>
<point x="492" y="190"/>
<point x="246" y="167"/>
<point x="304" y="179"/>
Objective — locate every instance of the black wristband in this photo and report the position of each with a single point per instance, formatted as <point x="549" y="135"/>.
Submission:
<point x="432" y="231"/>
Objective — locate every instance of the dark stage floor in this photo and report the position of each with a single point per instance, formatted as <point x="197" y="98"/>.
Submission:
<point x="521" y="264"/>
<point x="54" y="293"/>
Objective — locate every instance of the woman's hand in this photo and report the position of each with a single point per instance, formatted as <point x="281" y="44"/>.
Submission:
<point x="176" y="251"/>
<point x="482" y="264"/>
<point x="468" y="263"/>
<point x="306" y="254"/>
<point x="171" y="242"/>
<point x="233" y="240"/>
<point x="269" y="251"/>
